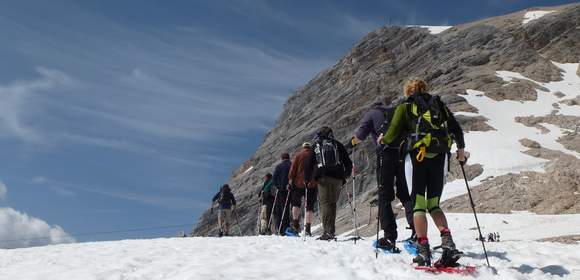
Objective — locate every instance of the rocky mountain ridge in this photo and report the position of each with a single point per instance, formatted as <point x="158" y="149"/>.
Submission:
<point x="464" y="57"/>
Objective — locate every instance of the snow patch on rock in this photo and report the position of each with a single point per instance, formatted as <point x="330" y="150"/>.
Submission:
<point x="533" y="15"/>
<point x="248" y="170"/>
<point x="432" y="29"/>
<point x="507" y="156"/>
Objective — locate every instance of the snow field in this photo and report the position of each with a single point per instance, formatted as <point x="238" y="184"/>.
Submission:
<point x="533" y="15"/>
<point x="432" y="29"/>
<point x="272" y="257"/>
<point x="500" y="151"/>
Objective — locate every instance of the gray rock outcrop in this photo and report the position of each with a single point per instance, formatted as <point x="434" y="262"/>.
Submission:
<point x="460" y="58"/>
<point x="557" y="191"/>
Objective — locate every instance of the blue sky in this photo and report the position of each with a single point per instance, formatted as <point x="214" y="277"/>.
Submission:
<point x="128" y="114"/>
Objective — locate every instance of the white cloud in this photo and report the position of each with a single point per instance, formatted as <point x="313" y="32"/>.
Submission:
<point x="19" y="230"/>
<point x="12" y="102"/>
<point x="3" y="191"/>
<point x="38" y="180"/>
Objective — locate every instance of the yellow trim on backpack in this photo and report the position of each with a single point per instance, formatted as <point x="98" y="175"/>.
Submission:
<point x="421" y="155"/>
<point x="427" y="139"/>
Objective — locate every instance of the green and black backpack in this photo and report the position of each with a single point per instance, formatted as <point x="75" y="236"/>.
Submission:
<point x="428" y="131"/>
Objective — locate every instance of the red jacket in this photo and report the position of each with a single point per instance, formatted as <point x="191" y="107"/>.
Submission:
<point x="299" y="163"/>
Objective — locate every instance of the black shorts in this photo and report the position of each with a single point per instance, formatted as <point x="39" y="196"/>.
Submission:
<point x="298" y="193"/>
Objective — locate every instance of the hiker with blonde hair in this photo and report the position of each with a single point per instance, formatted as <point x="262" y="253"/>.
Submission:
<point x="431" y="130"/>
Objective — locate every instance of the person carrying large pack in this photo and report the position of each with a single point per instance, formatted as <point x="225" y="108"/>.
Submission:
<point x="282" y="207"/>
<point x="432" y="128"/>
<point x="331" y="166"/>
<point x="390" y="173"/>
<point x="267" y="200"/>
<point x="226" y="201"/>
<point x="300" y="187"/>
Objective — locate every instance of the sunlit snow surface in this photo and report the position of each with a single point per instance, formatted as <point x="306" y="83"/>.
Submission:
<point x="432" y="29"/>
<point x="516" y="257"/>
<point x="533" y="15"/>
<point x="500" y="151"/>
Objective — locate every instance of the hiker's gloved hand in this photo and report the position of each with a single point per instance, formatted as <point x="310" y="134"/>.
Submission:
<point x="461" y="157"/>
<point x="349" y="146"/>
<point x="380" y="139"/>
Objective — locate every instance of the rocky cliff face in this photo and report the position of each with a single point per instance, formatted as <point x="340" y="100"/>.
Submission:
<point x="463" y="57"/>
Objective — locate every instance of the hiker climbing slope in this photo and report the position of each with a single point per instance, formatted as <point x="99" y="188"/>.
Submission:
<point x="431" y="130"/>
<point x="331" y="165"/>
<point x="226" y="202"/>
<point x="267" y="198"/>
<point x="300" y="188"/>
<point x="282" y="206"/>
<point x="390" y="172"/>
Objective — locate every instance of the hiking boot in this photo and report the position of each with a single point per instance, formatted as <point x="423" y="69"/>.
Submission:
<point x="423" y="257"/>
<point x="326" y="237"/>
<point x="449" y="258"/>
<point x="307" y="230"/>
<point x="220" y="233"/>
<point x="388" y="245"/>
<point x="447" y="241"/>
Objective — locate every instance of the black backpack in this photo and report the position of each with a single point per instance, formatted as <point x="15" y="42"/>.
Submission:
<point x="428" y="126"/>
<point x="389" y="112"/>
<point x="327" y="154"/>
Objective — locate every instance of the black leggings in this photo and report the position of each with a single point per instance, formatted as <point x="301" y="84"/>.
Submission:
<point x="391" y="176"/>
<point x="427" y="178"/>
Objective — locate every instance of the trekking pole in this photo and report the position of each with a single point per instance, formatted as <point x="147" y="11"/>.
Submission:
<point x="380" y="183"/>
<point x="474" y="213"/>
<point x="378" y="222"/>
<point x="284" y="212"/>
<point x="259" y="214"/>
<point x="318" y="207"/>
<point x="272" y="212"/>
<point x="238" y="221"/>
<point x="305" y="208"/>
<point x="357" y="236"/>
<point x="352" y="211"/>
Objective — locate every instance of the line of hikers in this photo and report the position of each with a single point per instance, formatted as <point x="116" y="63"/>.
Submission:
<point x="412" y="139"/>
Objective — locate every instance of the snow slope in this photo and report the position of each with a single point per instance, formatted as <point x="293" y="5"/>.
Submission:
<point x="433" y="29"/>
<point x="533" y="15"/>
<point x="507" y="156"/>
<point x="517" y="257"/>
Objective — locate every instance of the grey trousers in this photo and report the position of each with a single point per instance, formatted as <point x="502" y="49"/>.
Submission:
<point x="329" y="192"/>
<point x="224" y="218"/>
